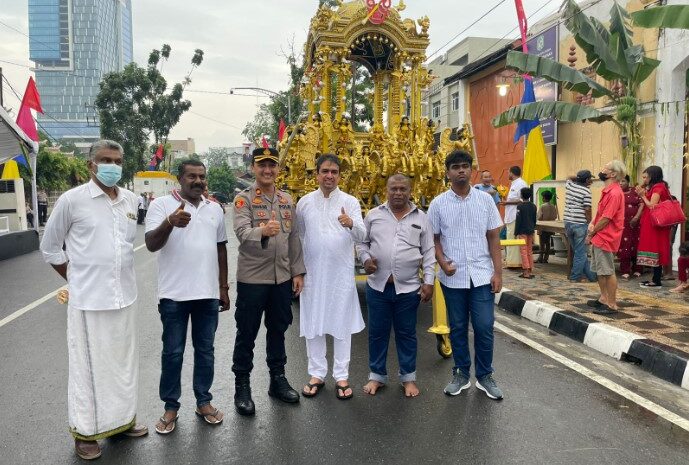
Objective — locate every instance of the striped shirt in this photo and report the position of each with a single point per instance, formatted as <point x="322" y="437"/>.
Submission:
<point x="577" y="200"/>
<point x="462" y="224"/>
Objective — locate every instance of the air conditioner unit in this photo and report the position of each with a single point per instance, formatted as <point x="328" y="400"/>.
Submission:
<point x="12" y="206"/>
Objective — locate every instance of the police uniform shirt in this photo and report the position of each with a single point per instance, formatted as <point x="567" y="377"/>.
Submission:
<point x="266" y="260"/>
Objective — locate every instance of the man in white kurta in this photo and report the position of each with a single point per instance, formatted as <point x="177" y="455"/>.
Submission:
<point x="96" y="222"/>
<point x="512" y="256"/>
<point x="330" y="223"/>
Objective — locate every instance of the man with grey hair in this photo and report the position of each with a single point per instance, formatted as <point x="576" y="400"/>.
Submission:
<point x="605" y="235"/>
<point x="96" y="223"/>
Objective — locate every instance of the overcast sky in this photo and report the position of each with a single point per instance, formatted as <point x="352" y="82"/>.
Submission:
<point x="242" y="41"/>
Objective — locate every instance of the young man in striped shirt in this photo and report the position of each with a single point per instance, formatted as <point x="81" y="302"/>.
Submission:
<point x="466" y="227"/>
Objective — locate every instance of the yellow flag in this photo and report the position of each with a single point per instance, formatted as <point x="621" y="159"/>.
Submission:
<point x="536" y="163"/>
<point x="11" y="170"/>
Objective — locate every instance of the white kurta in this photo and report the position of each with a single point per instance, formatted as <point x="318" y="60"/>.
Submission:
<point x="329" y="303"/>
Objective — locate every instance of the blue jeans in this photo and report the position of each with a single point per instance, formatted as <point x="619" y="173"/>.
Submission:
<point x="576" y="235"/>
<point x="477" y="302"/>
<point x="388" y="310"/>
<point x="204" y="321"/>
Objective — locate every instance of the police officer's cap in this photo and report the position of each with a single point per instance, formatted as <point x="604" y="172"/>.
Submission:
<point x="265" y="154"/>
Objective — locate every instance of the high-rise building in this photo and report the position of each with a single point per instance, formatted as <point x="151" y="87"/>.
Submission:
<point x="73" y="44"/>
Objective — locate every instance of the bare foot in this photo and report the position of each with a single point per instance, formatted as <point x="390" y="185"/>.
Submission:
<point x="681" y="288"/>
<point x="410" y="389"/>
<point x="372" y="386"/>
<point x="315" y="382"/>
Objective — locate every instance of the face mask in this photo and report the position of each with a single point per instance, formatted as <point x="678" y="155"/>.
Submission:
<point x="109" y="173"/>
<point x="602" y="176"/>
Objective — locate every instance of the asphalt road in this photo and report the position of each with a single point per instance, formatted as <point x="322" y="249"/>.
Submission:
<point x="551" y="414"/>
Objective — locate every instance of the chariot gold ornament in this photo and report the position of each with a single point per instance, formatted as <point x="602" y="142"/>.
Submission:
<point x="399" y="139"/>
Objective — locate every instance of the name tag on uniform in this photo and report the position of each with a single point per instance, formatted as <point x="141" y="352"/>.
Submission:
<point x="416" y="226"/>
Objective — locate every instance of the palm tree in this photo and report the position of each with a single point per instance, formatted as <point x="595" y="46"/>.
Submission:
<point x="612" y="56"/>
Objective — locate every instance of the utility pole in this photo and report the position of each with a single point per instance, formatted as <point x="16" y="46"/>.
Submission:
<point x="1" y="102"/>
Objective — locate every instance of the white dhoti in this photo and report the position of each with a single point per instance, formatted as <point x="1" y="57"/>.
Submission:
<point x="513" y="258"/>
<point x="103" y="371"/>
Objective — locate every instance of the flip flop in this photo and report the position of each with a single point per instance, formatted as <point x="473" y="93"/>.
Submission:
<point x="649" y="284"/>
<point x="165" y="423"/>
<point x="205" y="416"/>
<point x="340" y="392"/>
<point x="310" y="386"/>
<point x="526" y="277"/>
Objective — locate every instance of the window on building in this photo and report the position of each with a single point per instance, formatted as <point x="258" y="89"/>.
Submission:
<point x="435" y="110"/>
<point x="455" y="101"/>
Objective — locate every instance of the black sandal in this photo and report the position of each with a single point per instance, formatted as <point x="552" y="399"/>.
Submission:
<point x="318" y="387"/>
<point x="340" y="392"/>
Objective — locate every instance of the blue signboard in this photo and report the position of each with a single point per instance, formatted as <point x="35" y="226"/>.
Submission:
<point x="546" y="44"/>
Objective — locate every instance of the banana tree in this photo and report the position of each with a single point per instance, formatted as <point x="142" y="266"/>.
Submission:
<point x="613" y="56"/>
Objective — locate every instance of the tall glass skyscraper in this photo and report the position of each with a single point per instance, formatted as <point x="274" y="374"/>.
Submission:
<point x="74" y="43"/>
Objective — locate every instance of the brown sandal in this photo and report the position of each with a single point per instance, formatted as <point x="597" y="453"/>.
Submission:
<point x="205" y="416"/>
<point x="172" y="421"/>
<point x="87" y="450"/>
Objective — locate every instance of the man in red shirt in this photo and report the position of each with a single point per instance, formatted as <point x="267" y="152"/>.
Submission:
<point x="605" y="235"/>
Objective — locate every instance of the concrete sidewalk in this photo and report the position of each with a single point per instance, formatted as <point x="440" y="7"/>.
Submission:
<point x="651" y="328"/>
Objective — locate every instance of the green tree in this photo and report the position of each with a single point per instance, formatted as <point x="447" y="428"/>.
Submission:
<point x="221" y="179"/>
<point x="134" y="104"/>
<point x="217" y="156"/>
<point x="613" y="56"/>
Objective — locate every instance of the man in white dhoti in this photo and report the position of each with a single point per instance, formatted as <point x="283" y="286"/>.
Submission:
<point x="96" y="222"/>
<point x="330" y="223"/>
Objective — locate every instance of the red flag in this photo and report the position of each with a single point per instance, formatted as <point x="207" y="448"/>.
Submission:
<point x="521" y="17"/>
<point x="264" y="142"/>
<point x="281" y="129"/>
<point x="159" y="152"/>
<point x="26" y="122"/>
<point x="31" y="100"/>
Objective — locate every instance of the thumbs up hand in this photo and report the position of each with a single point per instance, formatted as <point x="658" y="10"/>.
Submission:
<point x="272" y="227"/>
<point x="344" y="219"/>
<point x="179" y="218"/>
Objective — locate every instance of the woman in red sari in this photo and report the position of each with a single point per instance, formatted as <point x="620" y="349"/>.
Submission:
<point x="633" y="206"/>
<point x="654" y="243"/>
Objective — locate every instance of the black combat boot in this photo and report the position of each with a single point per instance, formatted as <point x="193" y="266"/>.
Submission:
<point x="242" y="396"/>
<point x="280" y="388"/>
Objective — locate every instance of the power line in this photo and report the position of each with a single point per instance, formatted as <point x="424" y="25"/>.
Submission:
<point x="468" y="27"/>
<point x="215" y="120"/>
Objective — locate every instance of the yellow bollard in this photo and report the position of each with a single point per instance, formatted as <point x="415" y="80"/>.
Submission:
<point x="441" y="327"/>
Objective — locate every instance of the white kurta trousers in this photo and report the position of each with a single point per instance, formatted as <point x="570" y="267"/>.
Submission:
<point x="103" y="371"/>
<point x="318" y="364"/>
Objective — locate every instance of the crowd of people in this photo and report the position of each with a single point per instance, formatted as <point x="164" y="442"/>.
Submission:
<point x="305" y="249"/>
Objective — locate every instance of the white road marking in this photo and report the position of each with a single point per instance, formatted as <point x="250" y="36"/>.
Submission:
<point x="38" y="302"/>
<point x="603" y="381"/>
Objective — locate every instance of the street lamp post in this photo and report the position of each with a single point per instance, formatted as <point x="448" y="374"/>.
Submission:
<point x="269" y="93"/>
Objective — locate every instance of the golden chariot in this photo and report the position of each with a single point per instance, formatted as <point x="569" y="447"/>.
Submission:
<point x="400" y="139"/>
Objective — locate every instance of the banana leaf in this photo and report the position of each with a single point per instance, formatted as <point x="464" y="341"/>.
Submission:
<point x="555" y="72"/>
<point x="561" y="111"/>
<point x="619" y="23"/>
<point x="667" y="16"/>
<point x="594" y="39"/>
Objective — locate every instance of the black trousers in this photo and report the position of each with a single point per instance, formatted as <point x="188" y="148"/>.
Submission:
<point x="42" y="213"/>
<point x="253" y="300"/>
<point x="140" y="217"/>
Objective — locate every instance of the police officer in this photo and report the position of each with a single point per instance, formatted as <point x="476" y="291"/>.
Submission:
<point x="270" y="268"/>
